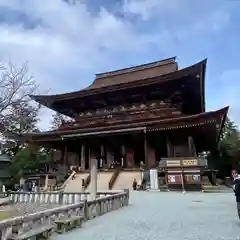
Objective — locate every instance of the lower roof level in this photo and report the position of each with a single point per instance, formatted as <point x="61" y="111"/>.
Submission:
<point x="148" y="124"/>
<point x="204" y="127"/>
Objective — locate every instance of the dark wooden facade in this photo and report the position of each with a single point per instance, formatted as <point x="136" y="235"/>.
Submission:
<point x="143" y="114"/>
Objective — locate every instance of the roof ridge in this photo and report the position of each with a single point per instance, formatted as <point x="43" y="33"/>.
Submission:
<point x="136" y="68"/>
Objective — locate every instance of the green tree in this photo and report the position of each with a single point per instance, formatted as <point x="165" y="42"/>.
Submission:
<point x="29" y="160"/>
<point x="224" y="157"/>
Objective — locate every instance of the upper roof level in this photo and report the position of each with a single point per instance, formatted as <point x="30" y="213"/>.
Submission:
<point x="159" y="80"/>
<point x="135" y="73"/>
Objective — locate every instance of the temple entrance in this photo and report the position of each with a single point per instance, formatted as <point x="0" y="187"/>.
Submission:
<point x="157" y="141"/>
<point x="138" y="149"/>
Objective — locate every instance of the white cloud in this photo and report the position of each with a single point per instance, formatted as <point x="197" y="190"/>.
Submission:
<point x="227" y="93"/>
<point x="70" y="42"/>
<point x="145" y="9"/>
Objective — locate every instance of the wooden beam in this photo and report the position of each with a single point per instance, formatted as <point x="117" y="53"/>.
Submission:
<point x="104" y="132"/>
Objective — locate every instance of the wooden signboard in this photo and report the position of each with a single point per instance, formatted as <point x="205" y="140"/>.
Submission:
<point x="173" y="163"/>
<point x="190" y="162"/>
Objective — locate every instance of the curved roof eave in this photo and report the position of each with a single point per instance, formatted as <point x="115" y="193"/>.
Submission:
<point x="48" y="100"/>
<point x="58" y="133"/>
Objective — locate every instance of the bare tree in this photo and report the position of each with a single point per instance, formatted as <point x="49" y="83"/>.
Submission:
<point x="15" y="88"/>
<point x="58" y="120"/>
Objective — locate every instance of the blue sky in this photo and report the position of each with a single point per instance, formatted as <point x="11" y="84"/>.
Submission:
<point x="65" y="44"/>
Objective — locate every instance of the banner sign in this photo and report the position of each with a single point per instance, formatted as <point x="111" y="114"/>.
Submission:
<point x="190" y="162"/>
<point x="171" y="179"/>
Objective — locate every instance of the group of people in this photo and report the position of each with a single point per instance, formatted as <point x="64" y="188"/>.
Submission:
<point x="141" y="185"/>
<point x="29" y="186"/>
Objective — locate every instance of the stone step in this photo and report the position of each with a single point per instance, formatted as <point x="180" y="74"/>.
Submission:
<point x="125" y="179"/>
<point x="163" y="188"/>
<point x="211" y="188"/>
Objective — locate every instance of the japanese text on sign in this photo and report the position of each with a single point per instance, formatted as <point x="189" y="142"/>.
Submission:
<point x="190" y="162"/>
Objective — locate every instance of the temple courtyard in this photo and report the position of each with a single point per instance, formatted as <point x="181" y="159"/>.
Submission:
<point x="168" y="216"/>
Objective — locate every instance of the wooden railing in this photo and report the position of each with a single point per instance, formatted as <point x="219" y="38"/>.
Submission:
<point x="68" y="179"/>
<point x="113" y="178"/>
<point x="87" y="181"/>
<point x="124" y="119"/>
<point x="128" y="114"/>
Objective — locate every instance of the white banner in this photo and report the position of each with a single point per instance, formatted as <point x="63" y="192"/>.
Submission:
<point x="154" y="179"/>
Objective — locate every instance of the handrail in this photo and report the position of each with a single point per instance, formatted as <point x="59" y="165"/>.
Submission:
<point x="87" y="181"/>
<point x="113" y="178"/>
<point x="68" y="180"/>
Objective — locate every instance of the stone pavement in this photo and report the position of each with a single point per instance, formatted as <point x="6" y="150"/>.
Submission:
<point x="168" y="216"/>
<point x="20" y="209"/>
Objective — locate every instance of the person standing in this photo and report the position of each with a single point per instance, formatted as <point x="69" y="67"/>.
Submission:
<point x="236" y="189"/>
<point x="134" y="185"/>
<point x="83" y="185"/>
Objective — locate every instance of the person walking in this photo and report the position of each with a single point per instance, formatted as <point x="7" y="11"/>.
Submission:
<point x="236" y="189"/>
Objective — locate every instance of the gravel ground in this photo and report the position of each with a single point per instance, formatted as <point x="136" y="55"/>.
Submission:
<point x="168" y="216"/>
<point x="20" y="209"/>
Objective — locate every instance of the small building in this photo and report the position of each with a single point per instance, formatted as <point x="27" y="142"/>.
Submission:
<point x="5" y="162"/>
<point x="152" y="114"/>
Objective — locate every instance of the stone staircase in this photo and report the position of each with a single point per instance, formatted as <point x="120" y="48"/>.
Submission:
<point x="163" y="188"/>
<point x="75" y="185"/>
<point x="216" y="189"/>
<point x="103" y="179"/>
<point x="125" y="179"/>
<point x="210" y="188"/>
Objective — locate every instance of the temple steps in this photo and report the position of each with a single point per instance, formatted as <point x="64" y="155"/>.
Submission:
<point x="163" y="188"/>
<point x="75" y="185"/>
<point x="210" y="188"/>
<point x="103" y="179"/>
<point x="218" y="188"/>
<point x="125" y="179"/>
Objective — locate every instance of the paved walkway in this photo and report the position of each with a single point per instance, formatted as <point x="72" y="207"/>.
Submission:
<point x="168" y="216"/>
<point x="20" y="209"/>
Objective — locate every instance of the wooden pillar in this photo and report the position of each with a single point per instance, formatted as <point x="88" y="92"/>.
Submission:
<point x="83" y="162"/>
<point x="183" y="182"/>
<point x="123" y="153"/>
<point x="145" y="149"/>
<point x="89" y="158"/>
<point x="65" y="160"/>
<point x="110" y="157"/>
<point x="190" y="150"/>
<point x="102" y="150"/>
<point x="169" y="149"/>
<point x="65" y="156"/>
<point x="102" y="163"/>
<point x="166" y="177"/>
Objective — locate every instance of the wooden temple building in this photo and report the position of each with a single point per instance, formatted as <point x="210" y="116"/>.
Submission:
<point x="151" y="115"/>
